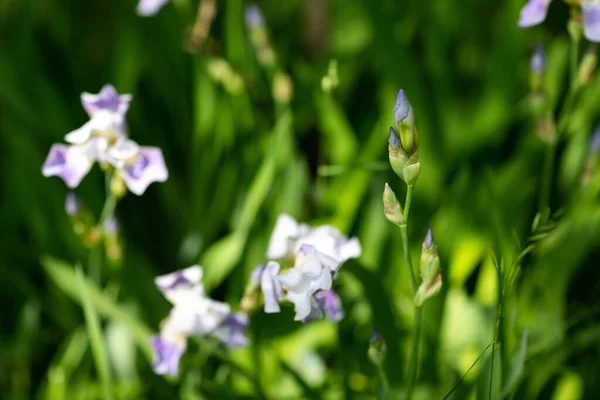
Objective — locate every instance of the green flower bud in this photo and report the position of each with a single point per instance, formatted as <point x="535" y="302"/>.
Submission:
<point x="430" y="261"/>
<point x="405" y="122"/>
<point x="392" y="208"/>
<point x="398" y="157"/>
<point x="587" y="66"/>
<point x="428" y="289"/>
<point x="411" y="171"/>
<point x="117" y="186"/>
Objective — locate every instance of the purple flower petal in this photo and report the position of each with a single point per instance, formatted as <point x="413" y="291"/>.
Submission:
<point x="401" y="107"/>
<point x="331" y="304"/>
<point x="108" y="99"/>
<point x="148" y="8"/>
<point x="533" y="13"/>
<point x="316" y="311"/>
<point x="595" y="142"/>
<point x="428" y="242"/>
<point x="68" y="163"/>
<point x="185" y="278"/>
<point x="271" y="287"/>
<point x="148" y="166"/>
<point x="166" y="355"/>
<point x="591" y="20"/>
<point x="232" y="331"/>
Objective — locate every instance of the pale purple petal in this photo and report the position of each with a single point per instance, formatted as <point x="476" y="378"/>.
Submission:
<point x="183" y="278"/>
<point x="375" y="337"/>
<point x="232" y="331"/>
<point x="148" y="166"/>
<point x="533" y="13"/>
<point x="166" y="355"/>
<point x="271" y="288"/>
<point x="111" y="226"/>
<point x="401" y="107"/>
<point x="148" y="8"/>
<point x="428" y="242"/>
<point x="108" y="99"/>
<point x="68" y="163"/>
<point x="591" y="20"/>
<point x="331" y="304"/>
<point x="316" y="311"/>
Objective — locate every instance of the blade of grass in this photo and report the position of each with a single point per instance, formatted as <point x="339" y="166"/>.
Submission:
<point x="95" y="335"/>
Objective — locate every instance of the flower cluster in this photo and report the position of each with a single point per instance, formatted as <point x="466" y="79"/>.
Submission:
<point x="104" y="139"/>
<point x="193" y="313"/>
<point x="534" y="12"/>
<point x="404" y="143"/>
<point x="317" y="254"/>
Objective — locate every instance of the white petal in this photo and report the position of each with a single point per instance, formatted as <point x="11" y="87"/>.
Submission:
<point x="285" y="229"/>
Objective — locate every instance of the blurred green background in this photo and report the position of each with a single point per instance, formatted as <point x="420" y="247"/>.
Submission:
<point x="238" y="156"/>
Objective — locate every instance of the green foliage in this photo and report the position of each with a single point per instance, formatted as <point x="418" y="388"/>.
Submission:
<point x="240" y="154"/>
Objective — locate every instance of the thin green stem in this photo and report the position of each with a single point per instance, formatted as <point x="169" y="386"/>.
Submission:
<point x="574" y="60"/>
<point x="547" y="172"/>
<point x="414" y="357"/>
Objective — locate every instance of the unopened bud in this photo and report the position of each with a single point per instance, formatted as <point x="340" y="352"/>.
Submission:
<point x="398" y="157"/>
<point x="72" y="204"/>
<point x="283" y="88"/>
<point x="412" y="170"/>
<point x="574" y="26"/>
<point x="376" y="348"/>
<point x="428" y="289"/>
<point x="430" y="261"/>
<point x="537" y="67"/>
<point x="392" y="208"/>
<point x="117" y="186"/>
<point x="405" y="122"/>
<point x="587" y="66"/>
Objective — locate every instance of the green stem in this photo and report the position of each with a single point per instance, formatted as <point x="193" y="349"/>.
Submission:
<point x="574" y="60"/>
<point x="414" y="357"/>
<point x="546" y="184"/>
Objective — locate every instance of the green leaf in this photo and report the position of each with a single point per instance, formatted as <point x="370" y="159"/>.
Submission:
<point x="490" y="377"/>
<point x="63" y="275"/>
<point x="517" y="365"/>
<point x="96" y="339"/>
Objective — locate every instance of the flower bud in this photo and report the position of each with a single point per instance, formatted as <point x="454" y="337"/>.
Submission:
<point x="392" y="208"/>
<point x="574" y="26"/>
<point x="428" y="289"/>
<point x="537" y="68"/>
<point x="405" y="122"/>
<point x="72" y="204"/>
<point x="587" y="66"/>
<point x="398" y="157"/>
<point x="412" y="170"/>
<point x="430" y="261"/>
<point x="117" y="186"/>
<point x="376" y="348"/>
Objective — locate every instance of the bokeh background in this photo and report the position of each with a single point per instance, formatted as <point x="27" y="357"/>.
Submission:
<point x="239" y="154"/>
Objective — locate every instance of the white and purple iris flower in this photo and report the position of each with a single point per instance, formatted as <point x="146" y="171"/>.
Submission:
<point x="148" y="8"/>
<point x="104" y="139"/>
<point x="193" y="313"/>
<point x="289" y="236"/>
<point x="318" y="254"/>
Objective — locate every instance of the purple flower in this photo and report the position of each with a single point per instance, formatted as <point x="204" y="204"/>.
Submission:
<point x="394" y="139"/>
<point x="182" y="279"/>
<point x="232" y="331"/>
<point x="401" y="108"/>
<point x="533" y="13"/>
<point x="330" y="304"/>
<point x="72" y="204"/>
<point x="67" y="162"/>
<point x="271" y="288"/>
<point x="166" y="354"/>
<point x="107" y="99"/>
<point x="148" y="8"/>
<point x="254" y="16"/>
<point x="375" y="337"/>
<point x="146" y="167"/>
<point x="538" y="60"/>
<point x="591" y="20"/>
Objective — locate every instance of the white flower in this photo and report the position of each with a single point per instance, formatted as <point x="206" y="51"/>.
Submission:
<point x="312" y="272"/>
<point x="289" y="236"/>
